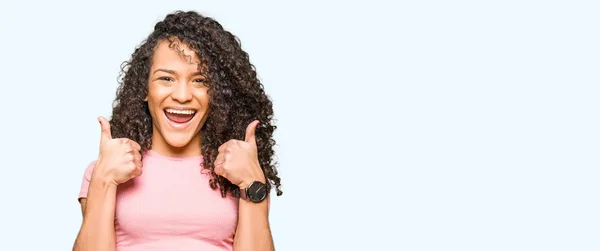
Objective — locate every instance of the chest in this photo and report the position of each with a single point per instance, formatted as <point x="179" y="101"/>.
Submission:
<point x="177" y="202"/>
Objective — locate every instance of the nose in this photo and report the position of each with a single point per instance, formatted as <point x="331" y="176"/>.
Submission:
<point x="181" y="93"/>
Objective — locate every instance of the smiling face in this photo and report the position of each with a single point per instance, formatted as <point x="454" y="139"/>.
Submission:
<point x="177" y="99"/>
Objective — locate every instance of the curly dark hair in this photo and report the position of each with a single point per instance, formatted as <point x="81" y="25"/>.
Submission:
<point x="237" y="96"/>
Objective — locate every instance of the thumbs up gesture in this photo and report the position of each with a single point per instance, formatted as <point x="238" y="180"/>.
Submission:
<point x="119" y="160"/>
<point x="237" y="160"/>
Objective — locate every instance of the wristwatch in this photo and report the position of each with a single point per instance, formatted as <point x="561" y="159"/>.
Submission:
<point x="255" y="192"/>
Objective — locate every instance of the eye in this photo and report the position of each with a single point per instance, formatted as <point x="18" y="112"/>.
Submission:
<point x="200" y="82"/>
<point x="165" y="79"/>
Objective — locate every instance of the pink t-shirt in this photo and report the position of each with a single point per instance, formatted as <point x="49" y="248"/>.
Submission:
<point x="171" y="207"/>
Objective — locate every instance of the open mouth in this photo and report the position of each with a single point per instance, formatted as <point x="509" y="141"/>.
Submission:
<point x="180" y="116"/>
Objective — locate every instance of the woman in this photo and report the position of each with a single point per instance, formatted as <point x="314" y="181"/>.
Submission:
<point x="186" y="162"/>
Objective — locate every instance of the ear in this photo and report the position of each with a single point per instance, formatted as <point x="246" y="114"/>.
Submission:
<point x="146" y="99"/>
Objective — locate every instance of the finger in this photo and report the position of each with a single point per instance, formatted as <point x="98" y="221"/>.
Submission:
<point x="251" y="131"/>
<point x="138" y="163"/>
<point x="105" y="126"/>
<point x="137" y="172"/>
<point x="219" y="170"/>
<point x="135" y="145"/>
<point x="220" y="159"/>
<point x="223" y="147"/>
<point x="137" y="156"/>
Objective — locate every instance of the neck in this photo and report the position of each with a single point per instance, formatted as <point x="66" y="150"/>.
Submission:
<point x="176" y="152"/>
<point x="160" y="145"/>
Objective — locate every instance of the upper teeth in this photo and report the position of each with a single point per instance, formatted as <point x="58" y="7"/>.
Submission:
<point x="181" y="111"/>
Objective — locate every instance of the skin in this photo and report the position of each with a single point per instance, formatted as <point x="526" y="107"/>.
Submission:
<point x="174" y="82"/>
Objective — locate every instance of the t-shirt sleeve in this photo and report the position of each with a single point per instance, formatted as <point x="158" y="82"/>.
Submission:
<point x="87" y="176"/>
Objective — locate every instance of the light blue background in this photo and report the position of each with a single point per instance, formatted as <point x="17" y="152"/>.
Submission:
<point x="418" y="125"/>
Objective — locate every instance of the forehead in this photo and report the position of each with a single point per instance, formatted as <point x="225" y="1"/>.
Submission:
<point x="174" y="54"/>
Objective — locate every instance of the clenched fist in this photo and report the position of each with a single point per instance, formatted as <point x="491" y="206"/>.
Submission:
<point x="119" y="160"/>
<point x="237" y="160"/>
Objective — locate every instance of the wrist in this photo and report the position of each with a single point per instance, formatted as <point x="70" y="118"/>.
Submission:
<point x="248" y="181"/>
<point x="103" y="181"/>
<point x="257" y="175"/>
<point x="102" y="178"/>
<point x="255" y="192"/>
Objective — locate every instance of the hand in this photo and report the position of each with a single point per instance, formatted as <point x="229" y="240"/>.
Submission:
<point x="237" y="160"/>
<point x="119" y="160"/>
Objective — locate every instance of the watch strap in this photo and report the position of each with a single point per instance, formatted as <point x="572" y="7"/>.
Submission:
<point x="244" y="194"/>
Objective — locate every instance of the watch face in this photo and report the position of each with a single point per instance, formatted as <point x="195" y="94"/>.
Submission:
<point x="257" y="191"/>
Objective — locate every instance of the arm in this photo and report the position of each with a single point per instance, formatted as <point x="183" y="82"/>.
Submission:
<point x="119" y="160"/>
<point x="253" y="232"/>
<point x="97" y="230"/>
<point x="238" y="162"/>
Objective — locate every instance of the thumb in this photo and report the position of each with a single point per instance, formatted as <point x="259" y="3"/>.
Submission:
<point x="105" y="125"/>
<point x="250" y="132"/>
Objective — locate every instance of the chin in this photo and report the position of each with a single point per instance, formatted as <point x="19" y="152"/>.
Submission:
<point x="180" y="127"/>
<point x="179" y="141"/>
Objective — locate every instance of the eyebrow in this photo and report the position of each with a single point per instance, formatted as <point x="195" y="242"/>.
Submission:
<point x="173" y="72"/>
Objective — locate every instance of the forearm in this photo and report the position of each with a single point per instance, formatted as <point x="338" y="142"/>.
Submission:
<point x="253" y="232"/>
<point x="98" y="230"/>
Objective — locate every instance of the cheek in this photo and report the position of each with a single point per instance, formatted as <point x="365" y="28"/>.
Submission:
<point x="153" y="108"/>
<point x="154" y="98"/>
<point x="203" y="98"/>
<point x="152" y="104"/>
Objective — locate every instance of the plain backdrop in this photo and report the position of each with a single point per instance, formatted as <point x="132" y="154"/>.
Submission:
<point x="403" y="125"/>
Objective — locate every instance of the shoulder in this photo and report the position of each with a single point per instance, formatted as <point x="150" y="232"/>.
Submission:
<point x="89" y="169"/>
<point x="87" y="177"/>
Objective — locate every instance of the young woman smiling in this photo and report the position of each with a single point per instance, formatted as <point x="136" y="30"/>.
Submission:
<point x="186" y="161"/>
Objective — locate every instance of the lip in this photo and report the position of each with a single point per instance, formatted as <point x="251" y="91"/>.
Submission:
<point x="180" y="108"/>
<point x="179" y="125"/>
